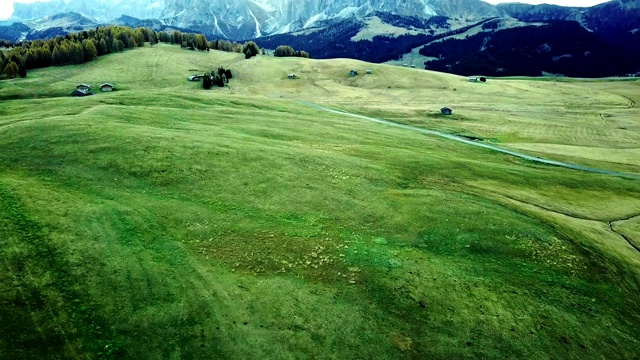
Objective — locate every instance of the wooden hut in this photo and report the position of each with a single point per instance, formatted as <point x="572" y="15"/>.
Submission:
<point x="106" y="87"/>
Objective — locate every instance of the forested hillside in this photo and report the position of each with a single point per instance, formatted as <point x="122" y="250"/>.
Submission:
<point x="531" y="50"/>
<point x="85" y="46"/>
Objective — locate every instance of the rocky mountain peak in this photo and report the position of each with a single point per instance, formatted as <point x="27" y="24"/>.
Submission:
<point x="252" y="18"/>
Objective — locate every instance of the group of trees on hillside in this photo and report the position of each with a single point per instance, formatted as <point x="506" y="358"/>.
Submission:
<point x="218" y="78"/>
<point x="71" y="49"/>
<point x="286" y="50"/>
<point x="85" y="46"/>
<point x="335" y="42"/>
<point x="529" y="51"/>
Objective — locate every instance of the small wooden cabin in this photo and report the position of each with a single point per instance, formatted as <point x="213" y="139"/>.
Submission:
<point x="446" y="111"/>
<point x="83" y="87"/>
<point x="353" y="73"/>
<point x="106" y="87"/>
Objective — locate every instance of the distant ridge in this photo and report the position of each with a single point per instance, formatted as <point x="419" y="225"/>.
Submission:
<point x="459" y="36"/>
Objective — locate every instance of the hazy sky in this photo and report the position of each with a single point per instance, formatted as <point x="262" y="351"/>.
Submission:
<point x="6" y="6"/>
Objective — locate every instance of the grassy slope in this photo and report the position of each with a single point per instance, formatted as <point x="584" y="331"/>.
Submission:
<point x="162" y="221"/>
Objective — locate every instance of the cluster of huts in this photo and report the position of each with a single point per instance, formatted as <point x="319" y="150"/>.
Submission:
<point x="354" y="72"/>
<point x="85" y="90"/>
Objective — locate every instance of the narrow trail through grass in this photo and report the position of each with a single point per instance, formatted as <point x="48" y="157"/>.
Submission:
<point x="479" y="144"/>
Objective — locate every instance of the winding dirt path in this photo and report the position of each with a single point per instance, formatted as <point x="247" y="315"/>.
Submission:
<point x="476" y="143"/>
<point x="604" y="120"/>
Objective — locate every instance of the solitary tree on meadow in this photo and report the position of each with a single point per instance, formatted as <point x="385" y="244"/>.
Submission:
<point x="250" y="49"/>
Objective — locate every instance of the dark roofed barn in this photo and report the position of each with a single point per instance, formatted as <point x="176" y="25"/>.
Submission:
<point x="81" y="93"/>
<point x="446" y="111"/>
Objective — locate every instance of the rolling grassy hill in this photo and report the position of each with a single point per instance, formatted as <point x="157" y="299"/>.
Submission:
<point x="163" y="221"/>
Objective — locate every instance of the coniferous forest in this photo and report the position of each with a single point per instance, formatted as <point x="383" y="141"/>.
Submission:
<point x="85" y="46"/>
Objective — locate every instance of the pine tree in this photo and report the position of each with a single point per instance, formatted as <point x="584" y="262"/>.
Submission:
<point x="56" y="58"/>
<point x="218" y="81"/>
<point x="250" y="49"/>
<point x="102" y="47"/>
<point x="90" y="51"/>
<point x="11" y="70"/>
<point x="22" y="72"/>
<point x="206" y="82"/>
<point x="177" y="37"/>
<point x="115" y="45"/>
<point x="30" y="59"/>
<point x="201" y="42"/>
<point x="153" y="38"/>
<point x="43" y="56"/>
<point x="76" y="53"/>
<point x="139" y="37"/>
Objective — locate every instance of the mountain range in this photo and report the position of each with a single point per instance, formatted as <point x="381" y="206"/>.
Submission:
<point x="415" y="31"/>
<point x="243" y="19"/>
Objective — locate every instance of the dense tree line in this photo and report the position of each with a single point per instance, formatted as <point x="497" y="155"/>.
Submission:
<point x="415" y="22"/>
<point x="74" y="48"/>
<point x="85" y="46"/>
<point x="13" y="32"/>
<point x="7" y="44"/>
<point x="329" y="42"/>
<point x="287" y="51"/>
<point x="335" y="42"/>
<point x="530" y="51"/>
<point x="199" y="42"/>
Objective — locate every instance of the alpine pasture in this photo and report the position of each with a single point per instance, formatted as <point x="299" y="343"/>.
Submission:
<point x="163" y="221"/>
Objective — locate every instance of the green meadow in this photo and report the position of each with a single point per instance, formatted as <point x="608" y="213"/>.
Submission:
<point x="163" y="221"/>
